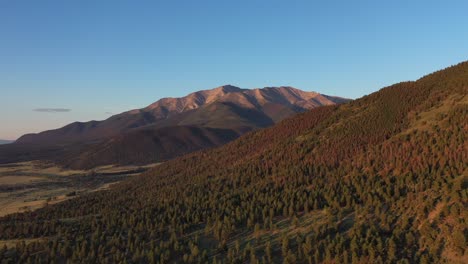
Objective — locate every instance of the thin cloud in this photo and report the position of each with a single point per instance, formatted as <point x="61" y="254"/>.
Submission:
<point x="109" y="113"/>
<point x="52" y="110"/>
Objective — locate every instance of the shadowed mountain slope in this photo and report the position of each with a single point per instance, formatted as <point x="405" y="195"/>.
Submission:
<point x="147" y="145"/>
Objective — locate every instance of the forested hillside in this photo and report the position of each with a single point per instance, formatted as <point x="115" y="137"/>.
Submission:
<point x="382" y="179"/>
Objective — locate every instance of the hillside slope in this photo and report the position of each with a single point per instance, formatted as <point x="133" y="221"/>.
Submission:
<point x="147" y="146"/>
<point x="382" y="179"/>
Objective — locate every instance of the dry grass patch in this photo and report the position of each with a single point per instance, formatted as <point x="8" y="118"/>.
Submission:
<point x="425" y="120"/>
<point x="10" y="180"/>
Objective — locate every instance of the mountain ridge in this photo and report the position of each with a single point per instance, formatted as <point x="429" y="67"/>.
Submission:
<point x="168" y="107"/>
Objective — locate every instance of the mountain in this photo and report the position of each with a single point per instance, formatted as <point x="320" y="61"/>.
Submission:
<point x="3" y="141"/>
<point x="167" y="128"/>
<point x="382" y="179"/>
<point x="225" y="106"/>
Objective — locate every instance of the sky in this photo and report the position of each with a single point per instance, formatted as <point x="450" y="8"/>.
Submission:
<point x="64" y="61"/>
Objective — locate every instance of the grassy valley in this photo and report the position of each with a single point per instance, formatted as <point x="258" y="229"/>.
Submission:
<point x="31" y="185"/>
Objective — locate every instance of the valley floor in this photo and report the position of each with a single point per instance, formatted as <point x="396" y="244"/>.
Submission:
<point x="27" y="186"/>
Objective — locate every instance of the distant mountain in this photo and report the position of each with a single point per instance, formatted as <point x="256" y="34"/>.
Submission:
<point x="4" y="141"/>
<point x="199" y="120"/>
<point x="222" y="107"/>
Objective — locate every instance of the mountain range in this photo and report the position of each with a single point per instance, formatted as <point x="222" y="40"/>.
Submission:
<point x="167" y="128"/>
<point x="381" y="179"/>
<point x="4" y="141"/>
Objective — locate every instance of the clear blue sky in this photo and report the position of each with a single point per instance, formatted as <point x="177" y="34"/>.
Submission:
<point x="101" y="57"/>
